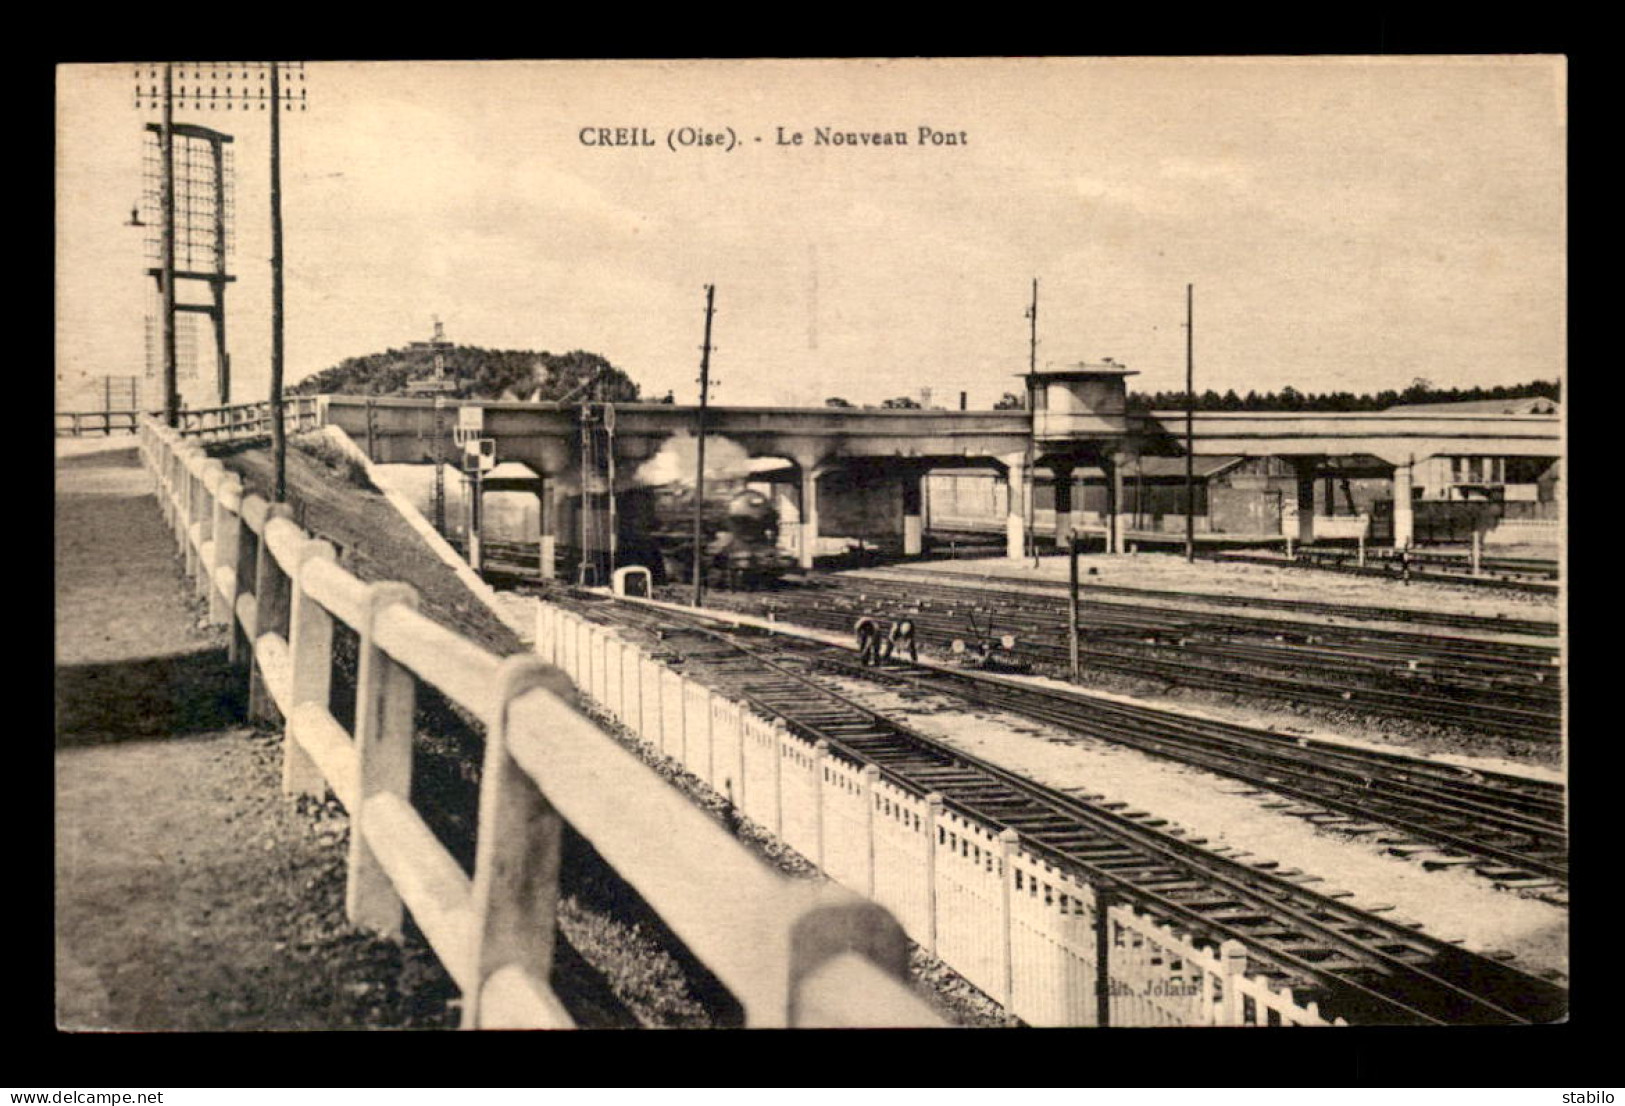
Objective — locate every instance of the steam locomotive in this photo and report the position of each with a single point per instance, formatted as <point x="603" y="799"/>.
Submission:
<point x="739" y="530"/>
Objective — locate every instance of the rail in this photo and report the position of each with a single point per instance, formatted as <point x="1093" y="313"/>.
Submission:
<point x="791" y="953"/>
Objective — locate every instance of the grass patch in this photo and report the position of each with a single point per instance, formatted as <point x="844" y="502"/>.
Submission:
<point x="350" y="469"/>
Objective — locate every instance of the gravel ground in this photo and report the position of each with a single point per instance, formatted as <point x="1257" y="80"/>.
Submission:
<point x="1172" y="572"/>
<point x="1452" y="904"/>
<point x="1444" y="741"/>
<point x="1030" y="585"/>
<point x="1301" y="728"/>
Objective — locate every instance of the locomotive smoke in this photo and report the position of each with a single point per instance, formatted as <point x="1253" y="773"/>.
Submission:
<point x="725" y="459"/>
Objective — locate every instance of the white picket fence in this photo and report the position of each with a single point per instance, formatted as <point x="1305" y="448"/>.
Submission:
<point x="1025" y="933"/>
<point x="791" y="954"/>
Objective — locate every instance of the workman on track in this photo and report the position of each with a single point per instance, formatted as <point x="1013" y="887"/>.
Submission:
<point x="902" y="634"/>
<point x="869" y="635"/>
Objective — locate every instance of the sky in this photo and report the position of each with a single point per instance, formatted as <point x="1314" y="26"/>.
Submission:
<point x="1347" y="224"/>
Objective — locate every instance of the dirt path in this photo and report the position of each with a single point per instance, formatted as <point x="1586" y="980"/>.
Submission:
<point x="189" y="894"/>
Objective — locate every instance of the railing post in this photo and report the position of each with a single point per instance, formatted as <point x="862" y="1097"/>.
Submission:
<point x="310" y="650"/>
<point x="711" y="776"/>
<point x="820" y="766"/>
<point x="1008" y="840"/>
<point x="870" y="774"/>
<point x="739" y="765"/>
<point x="240" y="647"/>
<point x="228" y="526"/>
<point x="183" y="500"/>
<point x="385" y="702"/>
<point x="158" y="458"/>
<point x="516" y="863"/>
<point x="166" y="486"/>
<point x="1233" y="957"/>
<point x="933" y="818"/>
<point x="208" y="508"/>
<point x="779" y="734"/>
<point x="196" y="500"/>
<point x="1103" y="957"/>
<point x="272" y="600"/>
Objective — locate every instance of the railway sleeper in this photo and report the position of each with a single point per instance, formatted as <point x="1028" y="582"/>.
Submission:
<point x="1088" y="849"/>
<point x="1134" y="869"/>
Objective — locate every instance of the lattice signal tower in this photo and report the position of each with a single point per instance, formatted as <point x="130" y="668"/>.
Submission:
<point x="221" y="86"/>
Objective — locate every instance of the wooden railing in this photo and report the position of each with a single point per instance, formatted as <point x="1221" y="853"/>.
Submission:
<point x="792" y="953"/>
<point x="241" y="421"/>
<point x="77" y="424"/>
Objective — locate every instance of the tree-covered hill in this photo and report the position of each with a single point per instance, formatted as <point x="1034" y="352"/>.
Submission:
<point x="479" y="374"/>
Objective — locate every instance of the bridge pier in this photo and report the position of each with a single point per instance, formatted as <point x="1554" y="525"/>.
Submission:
<point x="548" y="525"/>
<point x="1064" y="493"/>
<point x="1015" y="521"/>
<point x="913" y="522"/>
<point x="1304" y="470"/>
<point x="1404" y="515"/>
<point x="1118" y="519"/>
<point x="809" y="515"/>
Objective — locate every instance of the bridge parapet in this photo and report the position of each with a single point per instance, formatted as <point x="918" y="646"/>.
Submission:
<point x="1396" y="438"/>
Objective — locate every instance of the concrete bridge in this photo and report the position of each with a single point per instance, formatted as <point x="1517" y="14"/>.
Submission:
<point x="872" y="461"/>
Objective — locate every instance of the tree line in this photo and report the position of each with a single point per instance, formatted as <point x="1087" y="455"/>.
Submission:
<point x="1290" y="399"/>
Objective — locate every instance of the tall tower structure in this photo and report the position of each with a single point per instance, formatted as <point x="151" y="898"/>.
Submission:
<point x="188" y="245"/>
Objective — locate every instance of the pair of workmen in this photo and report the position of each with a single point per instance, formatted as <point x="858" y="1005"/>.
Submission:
<point x="875" y="646"/>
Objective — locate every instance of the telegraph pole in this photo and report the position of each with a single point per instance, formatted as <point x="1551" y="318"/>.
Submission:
<point x="1072" y="603"/>
<point x="699" y="462"/>
<point x="279" y="433"/>
<point x="1029" y="479"/>
<point x="1190" y="409"/>
<point x="172" y="397"/>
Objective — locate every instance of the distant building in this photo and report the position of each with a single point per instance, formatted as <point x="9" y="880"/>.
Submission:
<point x="1462" y="477"/>
<point x="1528" y="405"/>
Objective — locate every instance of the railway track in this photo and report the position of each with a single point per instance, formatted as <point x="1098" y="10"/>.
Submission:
<point x="1532" y="580"/>
<point x="1480" y="623"/>
<point x="1354" y="962"/>
<point x="1509" y="829"/>
<point x="1489" y="686"/>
